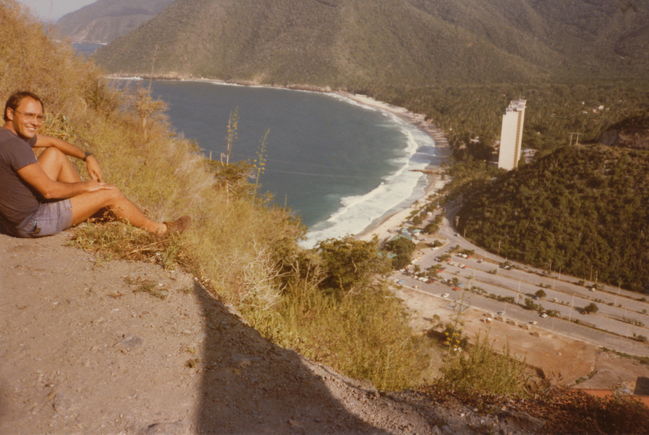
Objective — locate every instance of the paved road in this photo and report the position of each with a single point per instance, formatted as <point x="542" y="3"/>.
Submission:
<point x="611" y="326"/>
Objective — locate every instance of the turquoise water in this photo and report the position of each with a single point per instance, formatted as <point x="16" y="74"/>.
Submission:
<point x="338" y="165"/>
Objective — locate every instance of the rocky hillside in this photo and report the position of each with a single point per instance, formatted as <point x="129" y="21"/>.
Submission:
<point x="106" y="20"/>
<point x="354" y="43"/>
<point x="126" y="347"/>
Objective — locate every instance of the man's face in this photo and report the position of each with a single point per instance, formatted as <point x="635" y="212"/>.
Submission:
<point x="26" y="119"/>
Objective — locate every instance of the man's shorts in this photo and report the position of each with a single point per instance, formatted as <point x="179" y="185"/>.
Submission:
<point x="50" y="218"/>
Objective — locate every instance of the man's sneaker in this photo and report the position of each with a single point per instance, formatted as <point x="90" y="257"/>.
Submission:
<point x="178" y="226"/>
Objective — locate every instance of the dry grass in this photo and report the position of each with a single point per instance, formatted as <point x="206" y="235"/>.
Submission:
<point x="363" y="334"/>
<point x="479" y="369"/>
<point x="238" y="245"/>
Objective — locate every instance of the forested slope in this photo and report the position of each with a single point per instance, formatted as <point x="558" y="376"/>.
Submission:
<point x="471" y="115"/>
<point x="581" y="210"/>
<point x="355" y="43"/>
<point x="630" y="132"/>
<point x="105" y="20"/>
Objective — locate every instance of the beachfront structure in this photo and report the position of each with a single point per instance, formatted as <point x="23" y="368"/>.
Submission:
<point x="511" y="135"/>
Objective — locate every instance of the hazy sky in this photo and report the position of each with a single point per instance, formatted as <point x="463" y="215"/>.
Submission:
<point x="52" y="10"/>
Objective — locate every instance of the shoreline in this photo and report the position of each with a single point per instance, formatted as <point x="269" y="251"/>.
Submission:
<point x="384" y="225"/>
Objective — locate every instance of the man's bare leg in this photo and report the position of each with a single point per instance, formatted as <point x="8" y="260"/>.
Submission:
<point x="57" y="166"/>
<point x="87" y="204"/>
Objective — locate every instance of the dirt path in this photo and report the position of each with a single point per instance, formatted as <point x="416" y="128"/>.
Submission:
<point x="107" y="347"/>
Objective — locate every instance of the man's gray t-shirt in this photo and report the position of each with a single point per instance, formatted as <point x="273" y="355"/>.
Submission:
<point x="17" y="200"/>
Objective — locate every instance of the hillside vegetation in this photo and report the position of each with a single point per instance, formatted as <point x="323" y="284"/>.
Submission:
<point x="581" y="65"/>
<point x="581" y="210"/>
<point x="242" y="249"/>
<point x="105" y="20"/>
<point x="324" y="303"/>
<point x="356" y="43"/>
<point x="631" y="132"/>
<point x="471" y="115"/>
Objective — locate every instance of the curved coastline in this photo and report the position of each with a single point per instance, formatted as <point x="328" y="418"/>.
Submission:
<point x="382" y="225"/>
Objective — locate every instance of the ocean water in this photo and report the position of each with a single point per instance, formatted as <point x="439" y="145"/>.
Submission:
<point x="337" y="164"/>
<point x="87" y="49"/>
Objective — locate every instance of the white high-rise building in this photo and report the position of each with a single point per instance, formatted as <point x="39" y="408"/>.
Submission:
<point x="511" y="135"/>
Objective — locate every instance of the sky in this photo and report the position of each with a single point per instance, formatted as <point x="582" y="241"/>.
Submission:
<point x="52" y="10"/>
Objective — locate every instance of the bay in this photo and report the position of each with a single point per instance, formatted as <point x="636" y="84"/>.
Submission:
<point x="338" y="166"/>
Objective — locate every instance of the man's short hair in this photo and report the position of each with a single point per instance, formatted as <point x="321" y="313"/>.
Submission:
<point x="14" y="101"/>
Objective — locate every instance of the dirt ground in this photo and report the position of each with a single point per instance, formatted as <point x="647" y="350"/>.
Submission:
<point x="562" y="360"/>
<point x="121" y="347"/>
<point x="96" y="347"/>
<point x="88" y="346"/>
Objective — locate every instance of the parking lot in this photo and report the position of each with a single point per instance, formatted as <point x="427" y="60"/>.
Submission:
<point x="492" y="284"/>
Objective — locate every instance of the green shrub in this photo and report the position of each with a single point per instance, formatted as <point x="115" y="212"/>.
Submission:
<point x="350" y="263"/>
<point x="588" y="309"/>
<point x="402" y="248"/>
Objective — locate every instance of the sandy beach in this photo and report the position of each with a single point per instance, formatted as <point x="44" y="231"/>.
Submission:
<point x="386" y="225"/>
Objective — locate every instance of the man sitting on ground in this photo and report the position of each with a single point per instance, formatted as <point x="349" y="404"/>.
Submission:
<point x="41" y="197"/>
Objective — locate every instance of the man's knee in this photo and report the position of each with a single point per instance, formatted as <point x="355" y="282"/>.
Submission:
<point x="51" y="153"/>
<point x="56" y="164"/>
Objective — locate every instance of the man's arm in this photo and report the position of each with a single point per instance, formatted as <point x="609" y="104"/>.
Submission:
<point x="72" y="150"/>
<point x="34" y="175"/>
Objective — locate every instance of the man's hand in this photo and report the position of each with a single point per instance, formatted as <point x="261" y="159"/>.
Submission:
<point x="94" y="171"/>
<point x="94" y="186"/>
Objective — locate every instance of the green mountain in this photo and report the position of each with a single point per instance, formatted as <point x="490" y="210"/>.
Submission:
<point x="581" y="210"/>
<point x="355" y="43"/>
<point x="105" y="20"/>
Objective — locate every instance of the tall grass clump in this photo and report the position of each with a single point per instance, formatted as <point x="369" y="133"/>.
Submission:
<point x="365" y="335"/>
<point x="241" y="247"/>
<point x="480" y="369"/>
<point x="335" y="309"/>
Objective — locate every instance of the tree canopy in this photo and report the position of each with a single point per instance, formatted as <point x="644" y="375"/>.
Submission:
<point x="580" y="210"/>
<point x="350" y="263"/>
